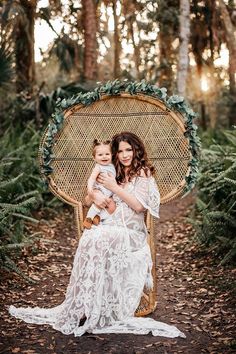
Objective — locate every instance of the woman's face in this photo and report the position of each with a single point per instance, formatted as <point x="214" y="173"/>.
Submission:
<point x="125" y="153"/>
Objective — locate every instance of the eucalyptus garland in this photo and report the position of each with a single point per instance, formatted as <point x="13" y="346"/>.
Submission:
<point x="113" y="88"/>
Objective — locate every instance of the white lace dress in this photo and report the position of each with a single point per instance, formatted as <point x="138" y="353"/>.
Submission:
<point x="111" y="266"/>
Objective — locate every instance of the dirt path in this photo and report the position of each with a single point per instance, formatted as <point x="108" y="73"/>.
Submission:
<point x="194" y="294"/>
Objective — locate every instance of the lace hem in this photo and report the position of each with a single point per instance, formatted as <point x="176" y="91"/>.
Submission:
<point x="134" y="325"/>
<point x="142" y="326"/>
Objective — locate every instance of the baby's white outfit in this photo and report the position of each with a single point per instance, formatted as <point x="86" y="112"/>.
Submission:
<point x="105" y="169"/>
<point x="93" y="210"/>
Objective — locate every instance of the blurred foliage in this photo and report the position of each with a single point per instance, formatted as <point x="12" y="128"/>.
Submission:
<point x="6" y="67"/>
<point x="21" y="188"/>
<point x="38" y="107"/>
<point x="21" y="192"/>
<point x="214" y="216"/>
<point x="68" y="53"/>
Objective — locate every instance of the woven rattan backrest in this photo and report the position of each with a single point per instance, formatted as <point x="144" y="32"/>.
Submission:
<point x="161" y="130"/>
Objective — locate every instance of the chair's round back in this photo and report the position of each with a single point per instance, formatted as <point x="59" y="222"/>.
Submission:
<point x="161" y="130"/>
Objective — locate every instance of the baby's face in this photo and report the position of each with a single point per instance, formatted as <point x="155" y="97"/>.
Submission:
<point x="103" y="154"/>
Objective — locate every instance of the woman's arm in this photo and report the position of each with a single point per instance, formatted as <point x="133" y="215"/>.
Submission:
<point x="110" y="183"/>
<point x="129" y="199"/>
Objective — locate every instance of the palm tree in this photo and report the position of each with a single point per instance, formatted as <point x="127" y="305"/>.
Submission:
<point x="184" y="20"/>
<point x="90" y="40"/>
<point x="17" y="27"/>
<point x="231" y="44"/>
<point x="167" y="16"/>
<point x="117" y="44"/>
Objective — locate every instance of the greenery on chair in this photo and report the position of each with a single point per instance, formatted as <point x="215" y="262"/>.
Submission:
<point x="115" y="88"/>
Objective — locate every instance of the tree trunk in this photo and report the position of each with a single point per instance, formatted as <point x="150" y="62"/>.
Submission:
<point x="166" y="72"/>
<point x="231" y="43"/>
<point x="232" y="89"/>
<point x="203" y="116"/>
<point x="117" y="45"/>
<point x="90" y="40"/>
<point x="136" y="51"/>
<point x="168" y="32"/>
<point x="24" y="48"/>
<point x="229" y="31"/>
<point x="184" y="21"/>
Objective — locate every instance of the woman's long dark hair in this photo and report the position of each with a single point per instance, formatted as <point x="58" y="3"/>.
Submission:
<point x="139" y="162"/>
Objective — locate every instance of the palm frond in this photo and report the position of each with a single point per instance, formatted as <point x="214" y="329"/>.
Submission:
<point x="6" y="68"/>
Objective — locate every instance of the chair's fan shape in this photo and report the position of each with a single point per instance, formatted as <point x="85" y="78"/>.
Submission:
<point x="161" y="129"/>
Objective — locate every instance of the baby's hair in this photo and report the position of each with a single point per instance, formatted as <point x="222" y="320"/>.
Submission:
<point x="97" y="143"/>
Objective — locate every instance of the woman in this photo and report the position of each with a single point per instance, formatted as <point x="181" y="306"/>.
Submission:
<point x="113" y="261"/>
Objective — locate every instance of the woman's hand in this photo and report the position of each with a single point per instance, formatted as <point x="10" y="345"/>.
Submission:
<point x="108" y="181"/>
<point x="98" y="198"/>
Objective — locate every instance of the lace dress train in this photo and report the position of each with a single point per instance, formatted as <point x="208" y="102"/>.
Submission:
<point x="112" y="265"/>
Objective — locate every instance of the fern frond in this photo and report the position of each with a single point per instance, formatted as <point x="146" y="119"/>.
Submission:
<point x="10" y="182"/>
<point x="5" y="163"/>
<point x="14" y="152"/>
<point x="15" y="246"/>
<point x="26" y="195"/>
<point x="230" y="180"/>
<point x="225" y="173"/>
<point x="229" y="256"/>
<point x="25" y="217"/>
<point x="19" y="206"/>
<point x="10" y="265"/>
<point x="231" y="137"/>
<point x="201" y="205"/>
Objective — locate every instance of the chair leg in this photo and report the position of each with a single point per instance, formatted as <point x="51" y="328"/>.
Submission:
<point x="78" y="221"/>
<point x="148" y="300"/>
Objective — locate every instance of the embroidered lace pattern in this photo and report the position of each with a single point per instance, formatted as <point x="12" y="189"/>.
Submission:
<point x="111" y="266"/>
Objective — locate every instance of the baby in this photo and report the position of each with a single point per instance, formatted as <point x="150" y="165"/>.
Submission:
<point x="103" y="157"/>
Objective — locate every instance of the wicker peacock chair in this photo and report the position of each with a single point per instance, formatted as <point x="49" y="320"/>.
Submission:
<point x="169" y="136"/>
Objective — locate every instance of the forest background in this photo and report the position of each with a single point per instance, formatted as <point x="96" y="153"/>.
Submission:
<point x="186" y="46"/>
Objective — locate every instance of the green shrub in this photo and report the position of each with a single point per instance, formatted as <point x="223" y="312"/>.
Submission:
<point x="22" y="109"/>
<point x="21" y="191"/>
<point x="215" y="209"/>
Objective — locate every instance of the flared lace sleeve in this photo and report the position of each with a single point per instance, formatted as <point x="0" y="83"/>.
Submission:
<point x="147" y="193"/>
